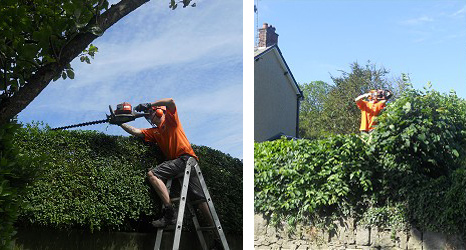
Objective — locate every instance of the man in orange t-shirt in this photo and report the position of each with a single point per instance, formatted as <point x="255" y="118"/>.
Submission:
<point x="370" y="109"/>
<point x="169" y="135"/>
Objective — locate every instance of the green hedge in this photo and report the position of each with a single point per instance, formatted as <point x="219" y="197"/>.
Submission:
<point x="411" y="169"/>
<point x="95" y="181"/>
<point x="14" y="177"/>
<point x="299" y="179"/>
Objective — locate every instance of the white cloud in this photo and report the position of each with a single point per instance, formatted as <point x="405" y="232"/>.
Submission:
<point x="149" y="42"/>
<point x="460" y="12"/>
<point x="417" y="21"/>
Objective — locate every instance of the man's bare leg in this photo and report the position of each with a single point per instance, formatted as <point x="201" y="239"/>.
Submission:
<point x="170" y="215"/>
<point x="159" y="187"/>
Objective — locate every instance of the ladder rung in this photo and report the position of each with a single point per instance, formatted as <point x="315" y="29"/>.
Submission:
<point x="177" y="199"/>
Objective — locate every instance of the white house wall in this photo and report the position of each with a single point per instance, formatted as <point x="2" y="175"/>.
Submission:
<point x="275" y="99"/>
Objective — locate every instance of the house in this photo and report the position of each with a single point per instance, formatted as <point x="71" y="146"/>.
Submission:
<point x="276" y="93"/>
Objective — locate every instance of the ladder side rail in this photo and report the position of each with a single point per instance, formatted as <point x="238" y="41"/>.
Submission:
<point x="181" y="207"/>
<point x="211" y="207"/>
<point x="158" y="239"/>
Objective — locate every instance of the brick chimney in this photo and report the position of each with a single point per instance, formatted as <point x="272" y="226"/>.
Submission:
<point x="267" y="36"/>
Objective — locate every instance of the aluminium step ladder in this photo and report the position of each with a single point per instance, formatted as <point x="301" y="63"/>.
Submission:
<point x="184" y="179"/>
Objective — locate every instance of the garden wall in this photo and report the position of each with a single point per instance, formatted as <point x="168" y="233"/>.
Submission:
<point x="348" y="236"/>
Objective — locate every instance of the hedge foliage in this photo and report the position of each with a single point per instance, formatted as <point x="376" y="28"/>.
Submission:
<point x="14" y="176"/>
<point x="300" y="179"/>
<point x="98" y="182"/>
<point x="411" y="169"/>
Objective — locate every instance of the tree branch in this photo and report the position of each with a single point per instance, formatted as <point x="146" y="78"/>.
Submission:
<point x="42" y="77"/>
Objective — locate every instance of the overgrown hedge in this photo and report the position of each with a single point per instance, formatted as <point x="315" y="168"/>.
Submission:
<point x="411" y="169"/>
<point x="98" y="182"/>
<point x="301" y="180"/>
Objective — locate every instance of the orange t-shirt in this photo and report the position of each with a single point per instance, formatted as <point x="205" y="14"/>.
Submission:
<point x="170" y="137"/>
<point x="369" y="110"/>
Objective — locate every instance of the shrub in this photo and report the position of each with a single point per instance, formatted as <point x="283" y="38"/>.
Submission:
<point x="298" y="179"/>
<point x="421" y="137"/>
<point x="98" y="182"/>
<point x="14" y="176"/>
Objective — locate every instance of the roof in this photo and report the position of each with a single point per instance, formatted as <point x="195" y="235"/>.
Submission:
<point x="261" y="51"/>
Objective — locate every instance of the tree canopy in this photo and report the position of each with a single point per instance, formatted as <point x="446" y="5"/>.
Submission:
<point x="40" y="38"/>
<point x="312" y="109"/>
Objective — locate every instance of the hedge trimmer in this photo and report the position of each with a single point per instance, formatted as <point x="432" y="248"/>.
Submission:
<point x="123" y="113"/>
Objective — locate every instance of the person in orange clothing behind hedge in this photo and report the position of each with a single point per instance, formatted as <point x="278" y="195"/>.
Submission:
<point x="371" y="108"/>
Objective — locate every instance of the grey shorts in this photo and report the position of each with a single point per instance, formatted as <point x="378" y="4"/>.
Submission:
<point x="170" y="169"/>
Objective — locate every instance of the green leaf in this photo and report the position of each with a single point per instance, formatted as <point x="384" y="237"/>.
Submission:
<point x="70" y="73"/>
<point x="407" y="107"/>
<point x="173" y="4"/>
<point x="96" y="30"/>
<point x="421" y="137"/>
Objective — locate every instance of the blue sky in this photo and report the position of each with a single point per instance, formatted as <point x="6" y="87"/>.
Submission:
<point x="426" y="39"/>
<point x="193" y="55"/>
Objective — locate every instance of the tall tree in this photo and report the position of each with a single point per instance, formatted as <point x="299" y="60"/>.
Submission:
<point x="40" y="38"/>
<point x="311" y="111"/>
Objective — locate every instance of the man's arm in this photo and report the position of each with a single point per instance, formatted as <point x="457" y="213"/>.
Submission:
<point x="167" y="102"/>
<point x="362" y="96"/>
<point x="132" y="130"/>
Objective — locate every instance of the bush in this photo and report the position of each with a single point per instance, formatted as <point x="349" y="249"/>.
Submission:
<point x="98" y="182"/>
<point x="410" y="169"/>
<point x="303" y="179"/>
<point x="421" y="137"/>
<point x="14" y="176"/>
